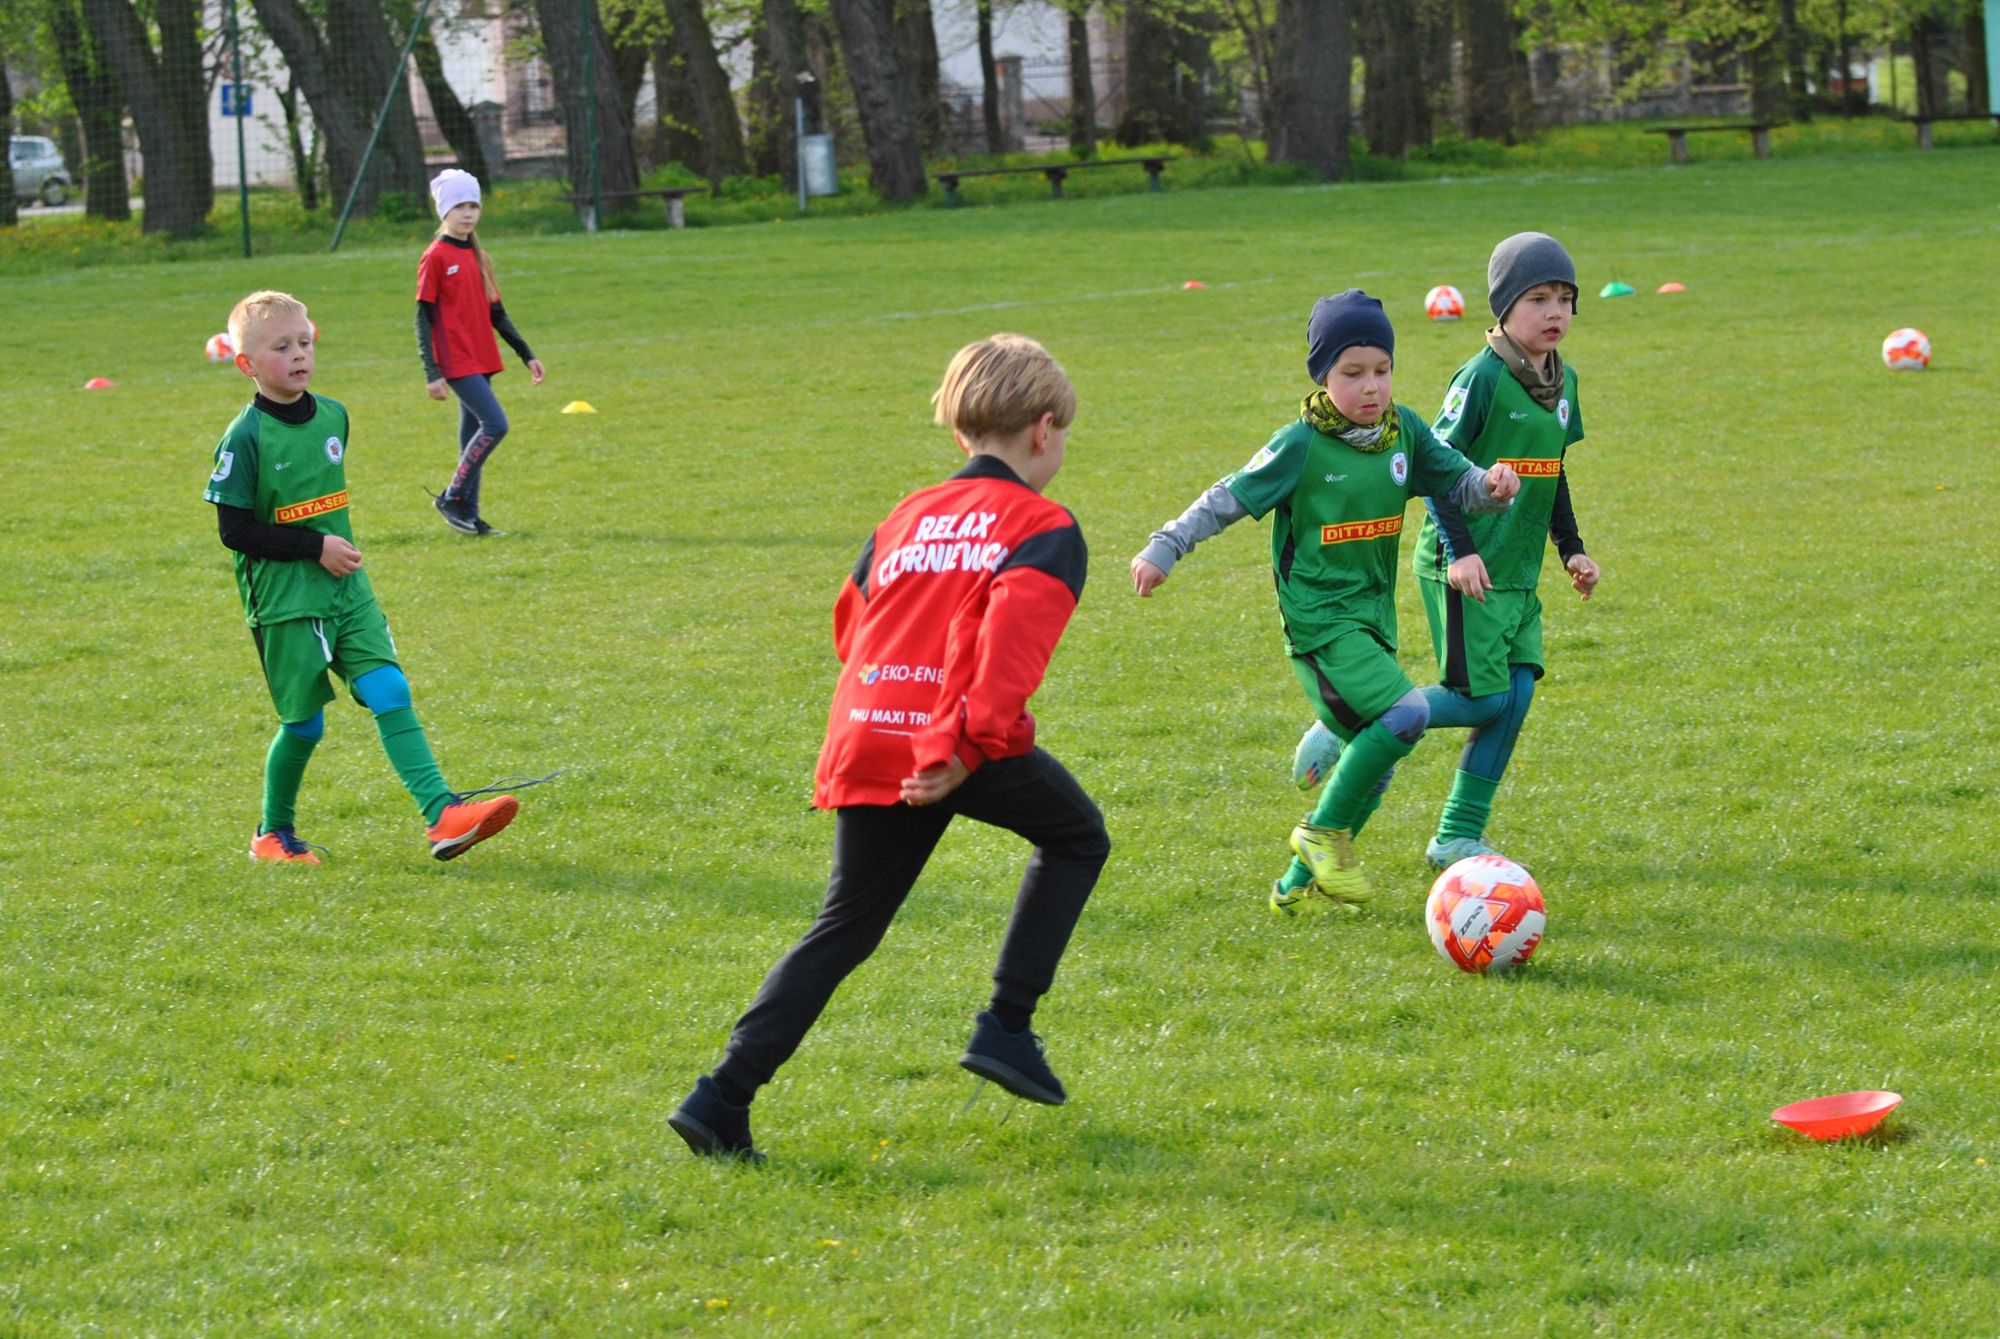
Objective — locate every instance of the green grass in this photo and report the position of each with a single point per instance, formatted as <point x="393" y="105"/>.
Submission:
<point x="393" y="1097"/>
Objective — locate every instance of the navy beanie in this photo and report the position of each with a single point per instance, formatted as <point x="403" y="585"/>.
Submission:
<point x="1341" y="322"/>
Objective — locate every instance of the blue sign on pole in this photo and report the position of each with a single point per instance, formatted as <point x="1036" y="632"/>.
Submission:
<point x="236" y="99"/>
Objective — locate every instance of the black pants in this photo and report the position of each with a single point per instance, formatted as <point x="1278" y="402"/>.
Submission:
<point x="878" y="852"/>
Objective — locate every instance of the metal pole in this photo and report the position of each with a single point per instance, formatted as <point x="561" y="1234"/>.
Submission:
<point x="381" y="115"/>
<point x="242" y="172"/>
<point x="590" y="109"/>
<point x="799" y="155"/>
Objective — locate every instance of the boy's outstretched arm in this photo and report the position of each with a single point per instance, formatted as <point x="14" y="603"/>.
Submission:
<point x="1209" y="515"/>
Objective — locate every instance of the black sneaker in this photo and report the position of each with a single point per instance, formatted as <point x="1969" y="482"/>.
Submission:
<point x="456" y="514"/>
<point x="482" y="529"/>
<point x="1013" y="1060"/>
<point x="712" y="1127"/>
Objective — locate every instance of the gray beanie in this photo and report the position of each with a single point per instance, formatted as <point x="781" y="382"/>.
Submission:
<point x="1521" y="262"/>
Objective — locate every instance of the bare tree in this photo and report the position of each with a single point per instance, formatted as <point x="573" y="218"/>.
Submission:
<point x="1312" y="121"/>
<point x="1395" y="106"/>
<point x="574" y="37"/>
<point x="917" y="53"/>
<point x="167" y="93"/>
<point x="100" y="110"/>
<point x="344" y="71"/>
<point x="708" y="86"/>
<point x="784" y="32"/>
<point x="1496" y="73"/>
<point x="882" y="99"/>
<point x="989" y="81"/>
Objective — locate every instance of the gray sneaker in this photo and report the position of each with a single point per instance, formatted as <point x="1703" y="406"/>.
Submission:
<point x="1445" y="854"/>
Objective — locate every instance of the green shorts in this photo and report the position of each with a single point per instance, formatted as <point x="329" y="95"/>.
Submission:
<point x="1477" y="644"/>
<point x="1350" y="681"/>
<point x="298" y="652"/>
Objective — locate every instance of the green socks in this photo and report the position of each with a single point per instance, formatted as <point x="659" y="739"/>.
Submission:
<point x="284" y="769"/>
<point x="410" y="754"/>
<point x="1470" y="805"/>
<point x="1346" y="801"/>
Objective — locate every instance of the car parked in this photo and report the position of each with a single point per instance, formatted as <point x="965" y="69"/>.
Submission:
<point x="39" y="170"/>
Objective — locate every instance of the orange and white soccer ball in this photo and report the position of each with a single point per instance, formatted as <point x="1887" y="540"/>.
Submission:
<point x="221" y="348"/>
<point x="1907" y="350"/>
<point x="1485" y="915"/>
<point x="1444" y="303"/>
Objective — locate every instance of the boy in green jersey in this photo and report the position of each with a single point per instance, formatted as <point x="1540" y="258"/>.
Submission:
<point x="279" y="485"/>
<point x="1338" y="479"/>
<point x="1514" y="402"/>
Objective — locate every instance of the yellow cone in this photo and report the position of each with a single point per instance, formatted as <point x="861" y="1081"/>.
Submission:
<point x="579" y="407"/>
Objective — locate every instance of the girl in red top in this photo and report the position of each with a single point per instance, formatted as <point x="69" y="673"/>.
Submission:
<point x="458" y="313"/>
<point x="944" y="630"/>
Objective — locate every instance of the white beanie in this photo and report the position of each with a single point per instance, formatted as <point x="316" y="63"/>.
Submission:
<point x="452" y="188"/>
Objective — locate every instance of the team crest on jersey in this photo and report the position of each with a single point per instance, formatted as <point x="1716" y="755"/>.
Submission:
<point x="334" y="449"/>
<point x="450" y="272"/>
<point x="1562" y="412"/>
<point x="1399" y="467"/>
<point x="1263" y="456"/>
<point x="1454" y="404"/>
<point x="225" y="461"/>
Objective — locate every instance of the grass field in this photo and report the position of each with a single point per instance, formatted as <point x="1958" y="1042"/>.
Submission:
<point x="393" y="1097"/>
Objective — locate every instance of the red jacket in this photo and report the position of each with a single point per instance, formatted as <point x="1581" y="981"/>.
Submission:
<point x="944" y="630"/>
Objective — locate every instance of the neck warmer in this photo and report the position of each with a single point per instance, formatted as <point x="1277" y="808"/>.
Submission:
<point x="1380" y="435"/>
<point x="1543" y="389"/>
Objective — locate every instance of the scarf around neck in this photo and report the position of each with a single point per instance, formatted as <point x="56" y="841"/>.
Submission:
<point x="1380" y="435"/>
<point x="1543" y="390"/>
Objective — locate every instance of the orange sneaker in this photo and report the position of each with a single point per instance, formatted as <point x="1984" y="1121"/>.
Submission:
<point x="464" y="825"/>
<point x="282" y="846"/>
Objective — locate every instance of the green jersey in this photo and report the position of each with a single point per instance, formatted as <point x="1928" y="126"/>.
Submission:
<point x="1339" y="519"/>
<point x="289" y="474"/>
<point x="1491" y="417"/>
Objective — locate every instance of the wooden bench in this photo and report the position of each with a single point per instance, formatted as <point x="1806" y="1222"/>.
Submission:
<point x="676" y="216"/>
<point x="1923" y="123"/>
<point x="1677" y="136"/>
<point x="1055" y="172"/>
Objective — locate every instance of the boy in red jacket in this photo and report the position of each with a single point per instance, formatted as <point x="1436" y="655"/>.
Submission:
<point x="944" y="630"/>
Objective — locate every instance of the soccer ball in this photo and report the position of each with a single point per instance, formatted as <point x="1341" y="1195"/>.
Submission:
<point x="1444" y="303"/>
<point x="1907" y="350"/>
<point x="221" y="348"/>
<point x="1485" y="914"/>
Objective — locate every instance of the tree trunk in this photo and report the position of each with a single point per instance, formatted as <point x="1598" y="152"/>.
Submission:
<point x="1924" y="34"/>
<point x="785" y="35"/>
<point x="1314" y="81"/>
<point x="708" y="84"/>
<point x="1152" y="112"/>
<point x="367" y="60"/>
<point x="917" y="53"/>
<point x="1850" y="100"/>
<point x="1395" y="110"/>
<point x="1082" y="87"/>
<point x="305" y="171"/>
<point x="93" y="90"/>
<point x="1798" y="100"/>
<point x="676" y="139"/>
<point x="10" y="210"/>
<point x="180" y="172"/>
<point x="989" y="81"/>
<point x="454" y="122"/>
<point x="1767" y="84"/>
<point x="1495" y="70"/>
<point x="573" y="35"/>
<point x="881" y="98"/>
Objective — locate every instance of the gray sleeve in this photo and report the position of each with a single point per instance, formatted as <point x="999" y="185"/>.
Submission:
<point x="1470" y="494"/>
<point x="1212" y="513"/>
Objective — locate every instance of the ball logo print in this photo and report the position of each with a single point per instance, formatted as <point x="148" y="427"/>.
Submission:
<point x="1444" y="303"/>
<point x="220" y="348"/>
<point x="1485" y="915"/>
<point x="1907" y="350"/>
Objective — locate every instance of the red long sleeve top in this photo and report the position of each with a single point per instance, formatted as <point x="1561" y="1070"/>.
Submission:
<point x="944" y="630"/>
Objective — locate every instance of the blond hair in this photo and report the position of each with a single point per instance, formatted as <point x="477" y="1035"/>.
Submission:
<point x="1001" y="385"/>
<point x="485" y="262"/>
<point x="258" y="308"/>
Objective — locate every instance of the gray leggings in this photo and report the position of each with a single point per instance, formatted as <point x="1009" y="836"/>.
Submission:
<point x="481" y="425"/>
